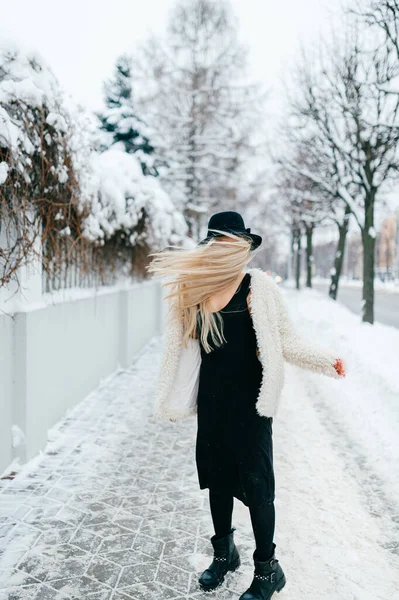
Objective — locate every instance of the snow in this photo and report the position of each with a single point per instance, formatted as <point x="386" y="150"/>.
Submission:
<point x="74" y="294"/>
<point x="391" y="86"/>
<point x="18" y="436"/>
<point x="65" y="232"/>
<point x="370" y="392"/>
<point x="26" y="82"/>
<point x="3" y="172"/>
<point x="372" y="232"/>
<point x="118" y="194"/>
<point x="384" y="286"/>
<point x="350" y="202"/>
<point x="16" y="304"/>
<point x="113" y="501"/>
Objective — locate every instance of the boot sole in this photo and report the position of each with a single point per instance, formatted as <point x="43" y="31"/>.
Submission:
<point x="278" y="588"/>
<point x="233" y="567"/>
<point x="281" y="584"/>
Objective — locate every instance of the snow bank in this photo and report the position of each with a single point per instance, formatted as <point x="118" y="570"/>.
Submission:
<point x="387" y="286"/>
<point x="119" y="196"/>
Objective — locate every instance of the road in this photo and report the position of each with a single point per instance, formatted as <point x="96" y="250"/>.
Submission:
<point x="386" y="304"/>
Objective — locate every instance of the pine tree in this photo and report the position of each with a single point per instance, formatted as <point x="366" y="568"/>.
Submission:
<point x="120" y="121"/>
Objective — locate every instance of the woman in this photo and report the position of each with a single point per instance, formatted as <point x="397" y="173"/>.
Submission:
<point x="239" y="324"/>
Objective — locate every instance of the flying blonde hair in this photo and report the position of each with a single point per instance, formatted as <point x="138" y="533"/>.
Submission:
<point x="199" y="273"/>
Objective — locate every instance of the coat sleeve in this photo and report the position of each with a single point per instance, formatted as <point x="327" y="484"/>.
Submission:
<point x="297" y="350"/>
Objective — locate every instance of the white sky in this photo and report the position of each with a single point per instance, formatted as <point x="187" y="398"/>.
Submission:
<point x="81" y="39"/>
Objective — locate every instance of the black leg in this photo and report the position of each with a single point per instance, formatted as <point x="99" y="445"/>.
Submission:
<point x="263" y="523"/>
<point x="221" y="504"/>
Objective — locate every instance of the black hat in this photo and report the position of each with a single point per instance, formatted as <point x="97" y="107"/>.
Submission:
<point x="230" y="222"/>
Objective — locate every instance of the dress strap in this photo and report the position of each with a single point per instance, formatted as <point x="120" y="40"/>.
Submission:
<point x="239" y="302"/>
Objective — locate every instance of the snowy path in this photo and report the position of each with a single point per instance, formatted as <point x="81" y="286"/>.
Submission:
<point x="112" y="509"/>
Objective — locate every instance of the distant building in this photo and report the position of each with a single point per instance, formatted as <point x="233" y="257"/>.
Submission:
<point x="353" y="257"/>
<point x="387" y="257"/>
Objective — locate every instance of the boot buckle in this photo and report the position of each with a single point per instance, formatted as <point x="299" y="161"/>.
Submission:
<point x="262" y="577"/>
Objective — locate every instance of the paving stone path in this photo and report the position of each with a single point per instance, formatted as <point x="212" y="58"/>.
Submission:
<point x="112" y="510"/>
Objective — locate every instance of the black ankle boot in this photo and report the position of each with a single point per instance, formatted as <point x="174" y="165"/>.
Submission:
<point x="268" y="578"/>
<point x="225" y="558"/>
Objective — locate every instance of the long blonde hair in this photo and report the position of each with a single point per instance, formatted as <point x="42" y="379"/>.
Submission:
<point x="199" y="273"/>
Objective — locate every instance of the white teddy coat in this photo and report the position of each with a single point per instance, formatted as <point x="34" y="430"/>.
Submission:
<point x="277" y="341"/>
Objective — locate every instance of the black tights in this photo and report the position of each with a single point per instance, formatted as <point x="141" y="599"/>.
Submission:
<point x="262" y="519"/>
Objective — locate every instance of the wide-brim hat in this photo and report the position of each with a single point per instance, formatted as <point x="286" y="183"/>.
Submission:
<point x="229" y="221"/>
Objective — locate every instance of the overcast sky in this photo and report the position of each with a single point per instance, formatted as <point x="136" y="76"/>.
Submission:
<point x="81" y="39"/>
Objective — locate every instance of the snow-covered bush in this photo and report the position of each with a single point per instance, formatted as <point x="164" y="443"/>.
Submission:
<point x="56" y="185"/>
<point x="128" y="213"/>
<point x="38" y="186"/>
<point x="122" y="201"/>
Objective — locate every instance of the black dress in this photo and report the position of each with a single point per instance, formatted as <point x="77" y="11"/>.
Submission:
<point x="234" y="448"/>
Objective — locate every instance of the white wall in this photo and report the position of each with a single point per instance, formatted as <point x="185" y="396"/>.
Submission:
<point x="59" y="353"/>
<point x="6" y="388"/>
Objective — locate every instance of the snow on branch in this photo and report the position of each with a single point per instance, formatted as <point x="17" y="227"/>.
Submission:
<point x="56" y="186"/>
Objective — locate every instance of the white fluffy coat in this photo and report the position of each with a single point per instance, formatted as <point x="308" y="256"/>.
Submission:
<point x="277" y="342"/>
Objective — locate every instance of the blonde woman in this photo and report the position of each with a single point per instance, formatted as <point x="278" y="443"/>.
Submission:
<point x="238" y="322"/>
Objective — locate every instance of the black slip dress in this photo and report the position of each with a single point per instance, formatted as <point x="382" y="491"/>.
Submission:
<point x="234" y="448"/>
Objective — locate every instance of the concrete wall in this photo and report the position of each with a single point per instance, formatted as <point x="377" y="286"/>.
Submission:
<point x="6" y="388"/>
<point x="60" y="352"/>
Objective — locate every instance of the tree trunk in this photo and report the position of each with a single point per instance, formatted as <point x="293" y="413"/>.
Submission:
<point x="339" y="255"/>
<point x="298" y="259"/>
<point x="309" y="254"/>
<point x="291" y="257"/>
<point x="368" y="239"/>
<point x="190" y="185"/>
<point x="191" y="172"/>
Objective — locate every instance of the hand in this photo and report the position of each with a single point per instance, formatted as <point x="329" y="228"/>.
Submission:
<point x="339" y="367"/>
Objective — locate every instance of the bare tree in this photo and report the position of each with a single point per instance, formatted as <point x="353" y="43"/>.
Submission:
<point x="383" y="15"/>
<point x="200" y="102"/>
<point x="315" y="186"/>
<point x="345" y="120"/>
<point x="304" y="208"/>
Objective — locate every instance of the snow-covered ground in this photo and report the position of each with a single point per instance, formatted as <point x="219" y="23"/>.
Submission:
<point x="112" y="509"/>
<point x="383" y="286"/>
